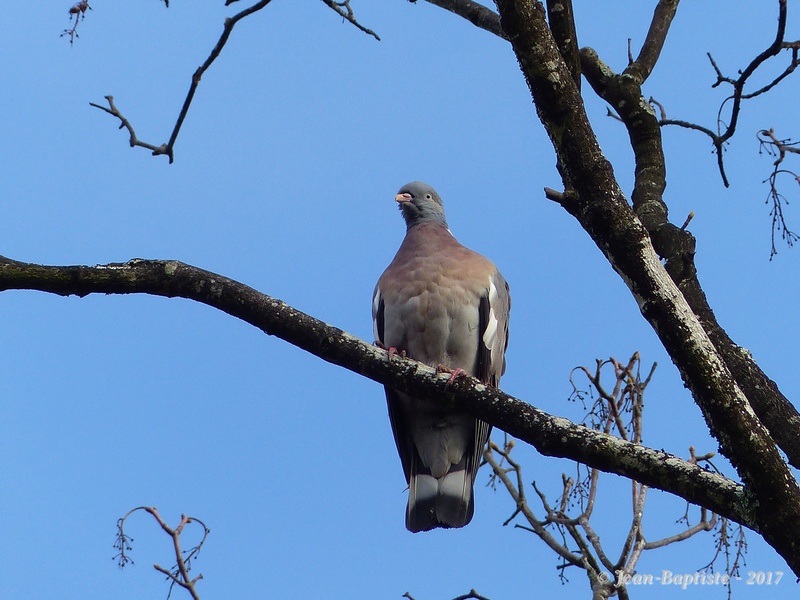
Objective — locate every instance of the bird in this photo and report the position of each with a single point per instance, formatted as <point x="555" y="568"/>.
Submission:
<point x="444" y="305"/>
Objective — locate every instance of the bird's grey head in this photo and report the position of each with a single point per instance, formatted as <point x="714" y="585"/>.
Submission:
<point x="420" y="203"/>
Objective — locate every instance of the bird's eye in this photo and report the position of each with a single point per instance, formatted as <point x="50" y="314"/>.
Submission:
<point x="428" y="196"/>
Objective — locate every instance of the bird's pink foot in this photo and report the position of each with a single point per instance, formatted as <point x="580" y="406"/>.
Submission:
<point x="391" y="350"/>
<point x="453" y="372"/>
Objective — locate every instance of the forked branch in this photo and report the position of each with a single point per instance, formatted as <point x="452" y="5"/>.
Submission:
<point x="344" y="10"/>
<point x="168" y="148"/>
<point x="726" y="130"/>
<point x="779" y="148"/>
<point x="619" y="408"/>
<point x="179" y="574"/>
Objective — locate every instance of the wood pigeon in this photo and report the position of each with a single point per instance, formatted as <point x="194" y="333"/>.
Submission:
<point x="444" y="305"/>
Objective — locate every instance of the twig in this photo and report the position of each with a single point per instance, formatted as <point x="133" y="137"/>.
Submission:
<point x="723" y="542"/>
<point x="168" y="148"/>
<point x="125" y="124"/>
<point x="773" y="146"/>
<point x="343" y="9"/>
<point x="725" y="131"/>
<point x="77" y="12"/>
<point x="471" y="594"/>
<point x="716" y="140"/>
<point x="517" y="493"/>
<point x="179" y="574"/>
<point x="705" y="524"/>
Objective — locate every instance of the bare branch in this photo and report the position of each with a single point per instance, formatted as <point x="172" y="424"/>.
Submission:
<point x="725" y="541"/>
<point x="472" y="594"/>
<point x="703" y="525"/>
<point x="179" y="574"/>
<point x="561" y="17"/>
<point x="609" y="409"/>
<point x="786" y="72"/>
<point x="344" y="10"/>
<point x="477" y="14"/>
<point x="739" y="83"/>
<point x="124" y="123"/>
<point x="773" y="146"/>
<point x="716" y="140"/>
<point x="674" y="245"/>
<point x="517" y="494"/>
<point x="549" y="435"/>
<point x="77" y="13"/>
<point x="644" y="64"/>
<point x="594" y="539"/>
<point x="725" y="131"/>
<point x="168" y="148"/>
<point x="634" y="544"/>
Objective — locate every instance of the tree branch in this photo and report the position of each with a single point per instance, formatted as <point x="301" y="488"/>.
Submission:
<point x="125" y="124"/>
<point x="179" y="574"/>
<point x="605" y="214"/>
<point x="677" y="246"/>
<point x="477" y="14"/>
<point x="169" y="147"/>
<point x="773" y="146"/>
<point x="739" y="83"/>
<point x="552" y="436"/>
<point x="77" y="12"/>
<point x="724" y="133"/>
<point x="344" y="10"/>
<point x="561" y="17"/>
<point x="644" y="64"/>
<point x="341" y="7"/>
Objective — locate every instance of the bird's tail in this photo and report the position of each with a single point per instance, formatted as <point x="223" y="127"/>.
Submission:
<point x="443" y="502"/>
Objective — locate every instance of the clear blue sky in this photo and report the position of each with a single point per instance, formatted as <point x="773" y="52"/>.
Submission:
<point x="284" y="179"/>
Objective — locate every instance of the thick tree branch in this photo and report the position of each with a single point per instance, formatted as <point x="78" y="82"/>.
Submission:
<point x="552" y="436"/>
<point x="677" y="246"/>
<point x="644" y="64"/>
<point x="477" y="14"/>
<point x="623" y="92"/>
<point x="561" y="17"/>
<point x="605" y="214"/>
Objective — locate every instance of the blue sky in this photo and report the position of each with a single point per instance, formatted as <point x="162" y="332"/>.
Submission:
<point x="284" y="178"/>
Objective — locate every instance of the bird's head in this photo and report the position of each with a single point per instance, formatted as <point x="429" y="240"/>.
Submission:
<point x="420" y="203"/>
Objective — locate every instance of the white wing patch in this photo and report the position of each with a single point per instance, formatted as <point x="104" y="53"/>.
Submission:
<point x="490" y="335"/>
<point x="376" y="302"/>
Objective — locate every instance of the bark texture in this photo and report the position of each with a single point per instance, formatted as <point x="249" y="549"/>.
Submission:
<point x="552" y="436"/>
<point x="601" y="208"/>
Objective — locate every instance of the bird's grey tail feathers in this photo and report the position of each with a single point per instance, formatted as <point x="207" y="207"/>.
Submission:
<point x="443" y="502"/>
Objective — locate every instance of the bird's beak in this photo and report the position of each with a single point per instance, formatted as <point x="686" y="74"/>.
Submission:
<point x="406" y="197"/>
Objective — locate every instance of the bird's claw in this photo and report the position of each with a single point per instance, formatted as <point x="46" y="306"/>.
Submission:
<point x="391" y="350"/>
<point x="453" y="373"/>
